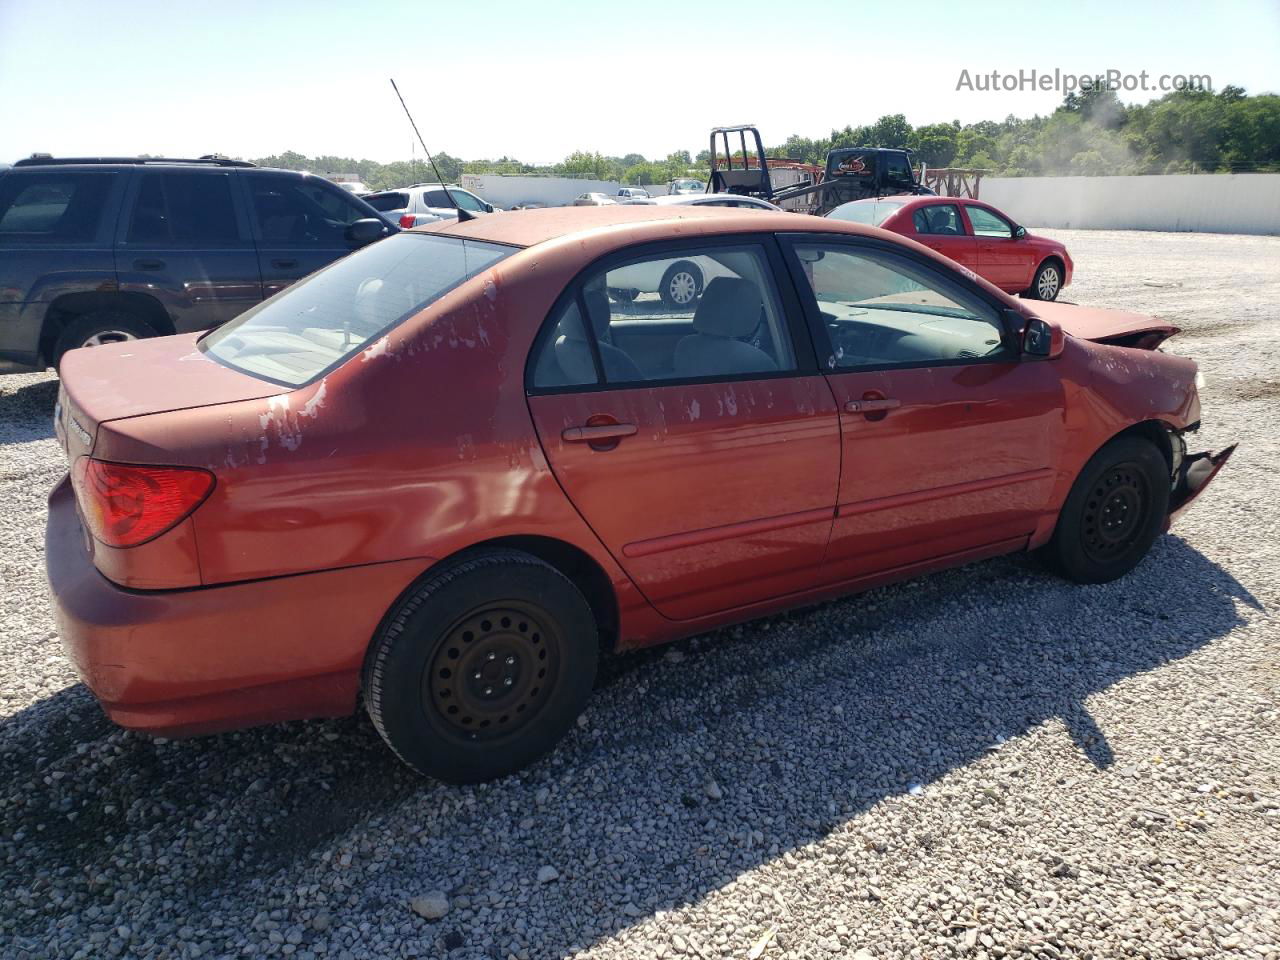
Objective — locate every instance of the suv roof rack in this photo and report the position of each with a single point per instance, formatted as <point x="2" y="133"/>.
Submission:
<point x="45" y="160"/>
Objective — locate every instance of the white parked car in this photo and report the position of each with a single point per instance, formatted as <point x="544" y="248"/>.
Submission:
<point x="422" y="203"/>
<point x="686" y="185"/>
<point x="710" y="200"/>
<point x="632" y="193"/>
<point x="678" y="282"/>
<point x="593" y="200"/>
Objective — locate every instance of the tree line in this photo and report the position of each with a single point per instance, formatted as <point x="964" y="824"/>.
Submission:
<point x="1089" y="134"/>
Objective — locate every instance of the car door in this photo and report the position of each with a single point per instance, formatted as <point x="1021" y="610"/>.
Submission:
<point x="949" y="437"/>
<point x="185" y="241"/>
<point x="299" y="224"/>
<point x="57" y="227"/>
<point x="1002" y="257"/>
<point x="708" y="462"/>
<point x="940" y="227"/>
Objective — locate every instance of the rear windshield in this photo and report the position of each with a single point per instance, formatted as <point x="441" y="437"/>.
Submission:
<point x="872" y="214"/>
<point x="382" y="202"/>
<point x="308" y="329"/>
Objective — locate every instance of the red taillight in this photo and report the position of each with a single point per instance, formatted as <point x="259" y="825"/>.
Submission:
<point x="125" y="504"/>
<point x="406" y="220"/>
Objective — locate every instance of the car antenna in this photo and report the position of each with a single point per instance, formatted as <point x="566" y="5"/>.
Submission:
<point x="463" y="215"/>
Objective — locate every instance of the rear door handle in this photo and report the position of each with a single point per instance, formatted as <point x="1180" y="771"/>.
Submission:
<point x="871" y="406"/>
<point x="603" y="431"/>
<point x="284" y="264"/>
<point x="148" y="264"/>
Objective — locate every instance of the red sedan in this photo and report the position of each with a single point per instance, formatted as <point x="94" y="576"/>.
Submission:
<point x="975" y="235"/>
<point x="442" y="473"/>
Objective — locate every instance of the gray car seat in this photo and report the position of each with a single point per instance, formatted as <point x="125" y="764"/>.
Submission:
<point x="573" y="353"/>
<point x="729" y="310"/>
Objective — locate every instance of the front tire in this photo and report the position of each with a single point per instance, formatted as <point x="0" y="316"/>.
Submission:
<point x="1113" y="514"/>
<point x="681" y="285"/>
<point x="1047" y="283"/>
<point x="482" y="668"/>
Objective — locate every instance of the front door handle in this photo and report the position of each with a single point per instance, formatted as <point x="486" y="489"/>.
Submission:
<point x="872" y="405"/>
<point x="597" y="432"/>
<point x="148" y="264"/>
<point x="284" y="264"/>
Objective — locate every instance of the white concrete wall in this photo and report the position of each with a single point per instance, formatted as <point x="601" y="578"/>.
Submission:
<point x="1207" y="203"/>
<point x="507" y="191"/>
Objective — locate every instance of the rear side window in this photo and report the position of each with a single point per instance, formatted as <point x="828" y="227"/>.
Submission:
<point x="382" y="202"/>
<point x="872" y="212"/>
<point x="57" y="206"/>
<point x="191" y="209"/>
<point x="706" y="313"/>
<point x="316" y="324"/>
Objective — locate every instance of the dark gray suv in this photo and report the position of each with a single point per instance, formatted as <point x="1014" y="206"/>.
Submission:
<point x="107" y="249"/>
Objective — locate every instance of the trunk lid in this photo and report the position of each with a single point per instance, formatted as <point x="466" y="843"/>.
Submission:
<point x="1117" y="327"/>
<point x="117" y="381"/>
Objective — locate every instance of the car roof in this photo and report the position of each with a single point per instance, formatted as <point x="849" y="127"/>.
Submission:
<point x="633" y="223"/>
<point x="919" y="201"/>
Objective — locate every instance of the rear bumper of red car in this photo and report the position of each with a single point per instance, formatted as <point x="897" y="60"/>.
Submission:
<point x="179" y="662"/>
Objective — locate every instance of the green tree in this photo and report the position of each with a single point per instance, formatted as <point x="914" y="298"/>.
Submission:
<point x="581" y="163"/>
<point x="935" y="144"/>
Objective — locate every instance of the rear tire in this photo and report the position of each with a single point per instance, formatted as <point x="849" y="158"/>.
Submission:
<point x="1114" y="513"/>
<point x="482" y="668"/>
<point x="99" y="328"/>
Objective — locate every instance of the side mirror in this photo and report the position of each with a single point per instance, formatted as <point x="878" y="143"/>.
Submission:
<point x="1042" y="340"/>
<point x="365" y="231"/>
<point x="1019" y="233"/>
<point x="488" y="208"/>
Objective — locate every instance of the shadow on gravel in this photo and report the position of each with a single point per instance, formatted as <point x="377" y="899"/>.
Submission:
<point x="26" y="412"/>
<point x="803" y="720"/>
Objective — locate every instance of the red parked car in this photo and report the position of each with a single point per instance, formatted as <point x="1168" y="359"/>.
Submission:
<point x="975" y="235"/>
<point x="443" y="472"/>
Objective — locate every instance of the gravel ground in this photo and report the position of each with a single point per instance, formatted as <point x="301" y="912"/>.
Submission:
<point x="982" y="763"/>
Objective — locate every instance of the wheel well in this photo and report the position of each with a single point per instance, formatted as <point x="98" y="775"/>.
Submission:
<point x="66" y="308"/>
<point x="1053" y="258"/>
<point x="578" y="566"/>
<point x="1157" y="432"/>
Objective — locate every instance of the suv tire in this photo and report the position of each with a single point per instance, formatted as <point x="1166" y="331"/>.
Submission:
<point x="97" y="328"/>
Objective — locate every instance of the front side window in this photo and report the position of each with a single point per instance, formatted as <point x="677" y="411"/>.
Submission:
<point x="293" y="211"/>
<point x="882" y="310"/>
<point x="940" y="219"/>
<point x="707" y="313"/>
<point x="987" y="223"/>
<point x="897" y="169"/>
<point x="467" y="201"/>
<point x="319" y="322"/>
<point x="58" y="206"/>
<point x="189" y="209"/>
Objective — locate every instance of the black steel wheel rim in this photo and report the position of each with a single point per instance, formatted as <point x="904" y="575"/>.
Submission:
<point x="493" y="671"/>
<point x="1116" y="512"/>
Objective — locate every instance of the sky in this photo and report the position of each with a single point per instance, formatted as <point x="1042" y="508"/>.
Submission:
<point x="538" y="80"/>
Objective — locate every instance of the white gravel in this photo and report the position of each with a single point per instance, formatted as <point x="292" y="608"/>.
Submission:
<point x="983" y="763"/>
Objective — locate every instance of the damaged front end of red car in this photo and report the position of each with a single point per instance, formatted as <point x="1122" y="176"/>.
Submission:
<point x="1191" y="475"/>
